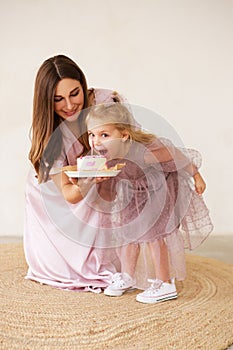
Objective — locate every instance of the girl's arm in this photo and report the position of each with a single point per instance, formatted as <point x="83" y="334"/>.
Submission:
<point x="172" y="159"/>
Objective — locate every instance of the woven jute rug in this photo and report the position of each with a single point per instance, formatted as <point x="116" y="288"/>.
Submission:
<point x="35" y="316"/>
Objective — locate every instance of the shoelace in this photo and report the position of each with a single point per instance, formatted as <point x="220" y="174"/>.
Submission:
<point x="155" y="284"/>
<point x="118" y="280"/>
<point x="116" y="277"/>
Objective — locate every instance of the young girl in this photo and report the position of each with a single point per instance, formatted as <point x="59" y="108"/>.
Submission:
<point x="155" y="209"/>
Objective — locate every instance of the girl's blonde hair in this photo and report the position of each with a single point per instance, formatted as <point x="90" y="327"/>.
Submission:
<point x="119" y="115"/>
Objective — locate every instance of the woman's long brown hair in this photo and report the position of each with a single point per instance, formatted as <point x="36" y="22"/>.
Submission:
<point x="46" y="135"/>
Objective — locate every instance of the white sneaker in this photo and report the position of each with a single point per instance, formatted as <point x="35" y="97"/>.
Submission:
<point x="158" y="291"/>
<point x="121" y="282"/>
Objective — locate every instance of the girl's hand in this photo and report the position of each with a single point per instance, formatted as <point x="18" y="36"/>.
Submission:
<point x="200" y="185"/>
<point x="86" y="183"/>
<point x="73" y="180"/>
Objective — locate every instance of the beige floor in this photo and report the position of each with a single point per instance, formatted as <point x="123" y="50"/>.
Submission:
<point x="219" y="247"/>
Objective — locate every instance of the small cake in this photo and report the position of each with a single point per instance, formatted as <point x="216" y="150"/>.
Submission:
<point x="91" y="163"/>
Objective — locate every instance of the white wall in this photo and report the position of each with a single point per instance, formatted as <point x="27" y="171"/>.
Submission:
<point x="172" y="56"/>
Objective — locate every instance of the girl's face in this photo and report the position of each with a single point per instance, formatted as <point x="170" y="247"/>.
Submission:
<point x="107" y="140"/>
<point x="68" y="99"/>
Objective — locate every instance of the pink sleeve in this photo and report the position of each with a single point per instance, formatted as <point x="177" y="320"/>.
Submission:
<point x="171" y="158"/>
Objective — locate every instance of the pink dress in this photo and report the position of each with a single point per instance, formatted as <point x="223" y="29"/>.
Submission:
<point x="153" y="201"/>
<point x="59" y="246"/>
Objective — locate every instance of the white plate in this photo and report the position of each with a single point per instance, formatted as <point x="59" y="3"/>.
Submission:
<point x="97" y="173"/>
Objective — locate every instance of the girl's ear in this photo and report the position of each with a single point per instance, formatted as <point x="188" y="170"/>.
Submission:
<point x="125" y="136"/>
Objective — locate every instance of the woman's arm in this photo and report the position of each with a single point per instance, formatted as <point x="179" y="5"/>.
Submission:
<point x="71" y="191"/>
<point x="74" y="190"/>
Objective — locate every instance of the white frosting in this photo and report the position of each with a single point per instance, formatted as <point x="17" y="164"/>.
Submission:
<point x="92" y="163"/>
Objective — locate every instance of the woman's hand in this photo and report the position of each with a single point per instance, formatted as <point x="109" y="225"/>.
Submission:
<point x="200" y="185"/>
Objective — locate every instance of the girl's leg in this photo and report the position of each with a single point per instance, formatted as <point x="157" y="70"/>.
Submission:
<point x="128" y="256"/>
<point x="162" y="288"/>
<point x="124" y="281"/>
<point x="159" y="254"/>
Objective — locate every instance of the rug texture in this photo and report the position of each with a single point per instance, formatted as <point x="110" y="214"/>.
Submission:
<point x="35" y="316"/>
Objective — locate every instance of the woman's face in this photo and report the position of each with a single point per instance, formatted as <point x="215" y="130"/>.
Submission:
<point x="107" y="140"/>
<point x="68" y="99"/>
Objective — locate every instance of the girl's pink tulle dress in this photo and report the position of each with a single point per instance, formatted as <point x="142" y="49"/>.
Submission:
<point x="154" y="201"/>
<point x="76" y="246"/>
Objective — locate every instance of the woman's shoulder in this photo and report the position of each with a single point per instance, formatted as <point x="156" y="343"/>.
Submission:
<point x="99" y="95"/>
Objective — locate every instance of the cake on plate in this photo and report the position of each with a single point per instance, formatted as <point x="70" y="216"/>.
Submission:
<point x="91" y="163"/>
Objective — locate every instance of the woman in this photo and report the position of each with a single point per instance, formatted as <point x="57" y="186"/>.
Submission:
<point x="59" y="252"/>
